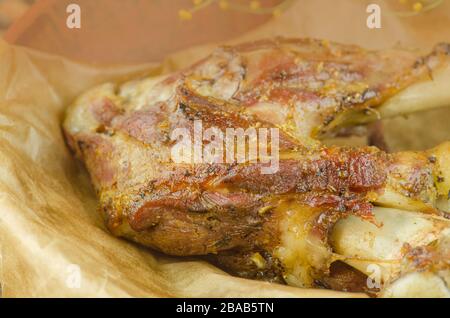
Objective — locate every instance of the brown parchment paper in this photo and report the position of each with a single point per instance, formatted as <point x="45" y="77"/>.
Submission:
<point x="52" y="241"/>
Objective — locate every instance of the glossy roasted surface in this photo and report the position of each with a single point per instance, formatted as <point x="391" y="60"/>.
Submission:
<point x="231" y="210"/>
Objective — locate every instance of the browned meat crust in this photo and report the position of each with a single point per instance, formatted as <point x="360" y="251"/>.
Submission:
<point x="228" y="210"/>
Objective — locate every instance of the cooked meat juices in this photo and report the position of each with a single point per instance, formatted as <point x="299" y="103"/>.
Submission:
<point x="327" y="215"/>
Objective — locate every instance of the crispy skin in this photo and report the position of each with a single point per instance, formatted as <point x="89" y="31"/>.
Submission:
<point x="229" y="211"/>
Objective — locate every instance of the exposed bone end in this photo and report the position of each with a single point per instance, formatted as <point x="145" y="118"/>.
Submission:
<point x="418" y="181"/>
<point x="418" y="285"/>
<point x="441" y="154"/>
<point x="410" y="183"/>
<point x="410" y="251"/>
<point x="405" y="256"/>
<point x="302" y="253"/>
<point x="430" y="93"/>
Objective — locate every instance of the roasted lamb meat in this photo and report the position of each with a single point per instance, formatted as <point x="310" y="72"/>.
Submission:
<point x="353" y="219"/>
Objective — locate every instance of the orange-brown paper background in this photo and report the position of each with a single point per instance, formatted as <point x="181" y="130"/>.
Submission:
<point x="48" y="222"/>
